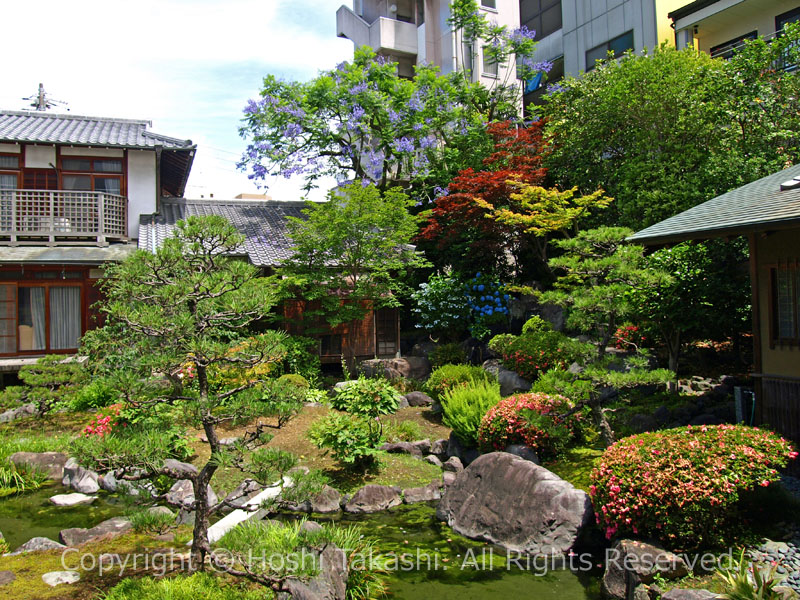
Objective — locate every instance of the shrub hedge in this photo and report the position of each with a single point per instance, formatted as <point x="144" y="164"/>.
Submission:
<point x="447" y="377"/>
<point x="682" y="485"/>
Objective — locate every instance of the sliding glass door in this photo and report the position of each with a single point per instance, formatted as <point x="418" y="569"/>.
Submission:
<point x="49" y="317"/>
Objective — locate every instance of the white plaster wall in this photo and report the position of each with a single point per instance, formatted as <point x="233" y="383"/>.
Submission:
<point x="10" y="148"/>
<point x="40" y="157"/>
<point x="141" y="187"/>
<point x="102" y="152"/>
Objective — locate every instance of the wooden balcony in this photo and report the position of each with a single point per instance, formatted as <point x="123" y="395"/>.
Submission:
<point x="61" y="217"/>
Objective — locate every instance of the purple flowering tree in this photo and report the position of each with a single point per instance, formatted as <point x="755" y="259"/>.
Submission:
<point x="361" y="121"/>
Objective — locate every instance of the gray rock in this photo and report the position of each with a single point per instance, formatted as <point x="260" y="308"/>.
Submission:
<point x="19" y="412"/>
<point x="509" y="381"/>
<point x="643" y="422"/>
<point x="182" y="494"/>
<point x="429" y="493"/>
<point x="423" y="445"/>
<point x="661" y="415"/>
<point x="418" y="399"/>
<point x="453" y="464"/>
<point x="409" y="367"/>
<point x="160" y="510"/>
<point x="241" y="494"/>
<point x="310" y="527"/>
<point x="402" y="403"/>
<point x="439" y="448"/>
<point x="630" y="563"/>
<point x="80" y="479"/>
<point x="343" y="384"/>
<point x="455" y="448"/>
<point x="180" y="470"/>
<point x="51" y="463"/>
<point x="185" y="517"/>
<point x="7" y="577"/>
<point x="524" y="452"/>
<point x="109" y="528"/>
<point x="54" y="578"/>
<point x="434" y="460"/>
<point x="75" y="499"/>
<point x="38" y="544"/>
<point x="516" y="504"/>
<point x="329" y="584"/>
<point x="423" y="349"/>
<point x="402" y="448"/>
<point x="678" y="594"/>
<point x="448" y="477"/>
<point x="327" y="501"/>
<point x="374" y="498"/>
<point x="706" y="419"/>
<point x="109" y="482"/>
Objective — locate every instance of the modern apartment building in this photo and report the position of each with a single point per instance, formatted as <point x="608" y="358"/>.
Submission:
<point x="719" y="26"/>
<point x="572" y="34"/>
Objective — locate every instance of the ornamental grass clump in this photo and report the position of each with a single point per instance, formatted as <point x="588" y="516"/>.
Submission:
<point x="464" y="407"/>
<point x="683" y="485"/>
<point x="534" y="420"/>
<point x="448" y="377"/>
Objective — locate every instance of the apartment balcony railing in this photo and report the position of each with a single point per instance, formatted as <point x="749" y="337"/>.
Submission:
<point x="785" y="63"/>
<point x="383" y="35"/>
<point x="51" y="217"/>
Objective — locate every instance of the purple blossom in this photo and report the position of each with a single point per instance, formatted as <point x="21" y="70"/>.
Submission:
<point x="415" y="102"/>
<point x="417" y="126"/>
<point x="394" y="116"/>
<point x="554" y="88"/>
<point x="259" y="171"/>
<point x="358" y="88"/>
<point x="440" y="191"/>
<point x="374" y="167"/>
<point x="403" y="145"/>
<point x="251" y="108"/>
<point x="519" y="36"/>
<point x="291" y="170"/>
<point x="529" y="63"/>
<point x="427" y="142"/>
<point x="292" y="130"/>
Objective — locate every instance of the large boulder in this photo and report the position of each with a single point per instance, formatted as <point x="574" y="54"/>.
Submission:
<point x="51" y="463"/>
<point x="679" y="594"/>
<point x="409" y="367"/>
<point x="374" y="498"/>
<point x="402" y="448"/>
<point x="418" y="399"/>
<point x="630" y="563"/>
<point x="38" y="544"/>
<point x="182" y="494"/>
<point x="328" y="501"/>
<point x="516" y="504"/>
<point x="329" y="584"/>
<point x="523" y="451"/>
<point x="510" y="382"/>
<point x="13" y="414"/>
<point x="180" y="470"/>
<point x="429" y="493"/>
<point x="109" y="528"/>
<point x="461" y="452"/>
<point x="79" y="479"/>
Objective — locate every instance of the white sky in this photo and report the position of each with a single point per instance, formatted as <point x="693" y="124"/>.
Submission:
<point x="189" y="66"/>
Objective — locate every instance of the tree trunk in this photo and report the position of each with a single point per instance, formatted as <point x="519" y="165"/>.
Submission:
<point x="596" y="401"/>
<point x="673" y="343"/>
<point x="200" y="544"/>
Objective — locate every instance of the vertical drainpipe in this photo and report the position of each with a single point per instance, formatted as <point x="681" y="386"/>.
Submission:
<point x="159" y="149"/>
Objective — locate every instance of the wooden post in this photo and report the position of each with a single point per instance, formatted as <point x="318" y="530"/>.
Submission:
<point x="756" y="304"/>
<point x="14" y="200"/>
<point x="52" y="220"/>
<point x="101" y="219"/>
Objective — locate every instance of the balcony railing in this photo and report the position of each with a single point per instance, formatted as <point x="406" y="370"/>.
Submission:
<point x="784" y="63"/>
<point x="50" y="217"/>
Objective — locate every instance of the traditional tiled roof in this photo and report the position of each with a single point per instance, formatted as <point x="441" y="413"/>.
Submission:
<point x="41" y="127"/>
<point x="757" y="206"/>
<point x="263" y="224"/>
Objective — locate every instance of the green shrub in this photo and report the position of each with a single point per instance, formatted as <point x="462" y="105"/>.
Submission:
<point x="155" y="523"/>
<point x="13" y="479"/>
<point x="51" y="381"/>
<point x="447" y="377"/>
<point x="352" y="439"/>
<point x="441" y="306"/>
<point x="536" y="325"/>
<point x="12" y="397"/>
<point x="97" y="394"/>
<point x="181" y="587"/>
<point x="745" y="582"/>
<point x="530" y="419"/>
<point x="538" y="350"/>
<point x="296" y="380"/>
<point x="447" y="354"/>
<point x="683" y="485"/>
<point x="404" y="431"/>
<point x="370" y="397"/>
<point x="564" y="383"/>
<point x="302" y="358"/>
<point x="463" y="408"/>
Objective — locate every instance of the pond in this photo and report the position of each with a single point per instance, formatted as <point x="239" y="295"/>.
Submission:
<point x="452" y="567"/>
<point x="30" y="514"/>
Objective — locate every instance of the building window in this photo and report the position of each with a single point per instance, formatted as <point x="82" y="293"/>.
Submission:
<point x="490" y="67"/>
<point x="541" y="16"/>
<point x="40" y="317"/>
<point x="330" y="345"/>
<point x="469" y="57"/>
<point x="536" y="88"/>
<point x="616" y="46"/>
<point x="386" y="331"/>
<point x="792" y="16"/>
<point x="489" y="4"/>
<point x="727" y="49"/>
<point x="9" y="161"/>
<point x="785" y="304"/>
<point x="92" y="175"/>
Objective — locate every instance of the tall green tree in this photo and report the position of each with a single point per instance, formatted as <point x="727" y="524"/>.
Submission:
<point x="351" y="252"/>
<point x="186" y="310"/>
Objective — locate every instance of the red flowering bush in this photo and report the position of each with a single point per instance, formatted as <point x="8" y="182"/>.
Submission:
<point x="530" y="419"/>
<point x="682" y="485"/>
<point x="104" y="421"/>
<point x="628" y="336"/>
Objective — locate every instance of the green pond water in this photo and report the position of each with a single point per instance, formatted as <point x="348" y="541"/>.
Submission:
<point x="436" y="563"/>
<point x="30" y="514"/>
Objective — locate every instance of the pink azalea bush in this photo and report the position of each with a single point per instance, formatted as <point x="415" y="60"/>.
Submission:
<point x="103" y="422"/>
<point x="682" y="485"/>
<point x="530" y="419"/>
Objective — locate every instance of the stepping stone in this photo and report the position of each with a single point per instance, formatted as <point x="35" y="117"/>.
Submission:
<point x="109" y="528"/>
<point x="7" y="577"/>
<point x="36" y="544"/>
<point x="54" y="578"/>
<point x="72" y="499"/>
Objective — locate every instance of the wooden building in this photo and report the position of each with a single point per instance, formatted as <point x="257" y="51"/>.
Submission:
<point x="767" y="211"/>
<point x="266" y="245"/>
